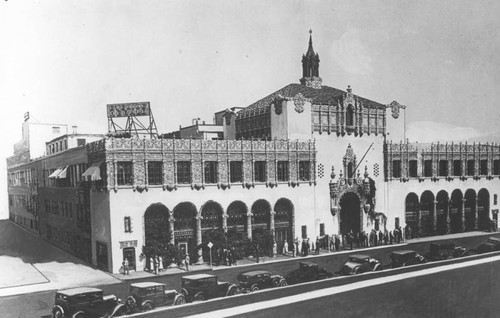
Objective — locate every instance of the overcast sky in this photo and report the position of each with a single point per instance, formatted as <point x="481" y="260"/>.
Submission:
<point x="63" y="61"/>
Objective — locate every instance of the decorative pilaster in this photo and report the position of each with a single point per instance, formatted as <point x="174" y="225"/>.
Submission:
<point x="249" y="225"/>
<point x="419" y="222"/>
<point x="171" y="228"/>
<point x="271" y="222"/>
<point x="198" y="237"/>
<point x="475" y="213"/>
<point x="224" y="221"/>
<point x="434" y="215"/>
<point x="448" y="217"/>
<point x="463" y="214"/>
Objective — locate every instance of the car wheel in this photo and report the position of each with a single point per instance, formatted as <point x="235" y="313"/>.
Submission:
<point x="233" y="290"/>
<point x="254" y="288"/>
<point x="57" y="314"/>
<point x="79" y="315"/>
<point x="378" y="268"/>
<point x="199" y="297"/>
<point x="180" y="300"/>
<point x="147" y="307"/>
<point x="357" y="270"/>
<point x="283" y="283"/>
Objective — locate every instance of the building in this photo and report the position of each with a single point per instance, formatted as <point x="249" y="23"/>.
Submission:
<point x="305" y="161"/>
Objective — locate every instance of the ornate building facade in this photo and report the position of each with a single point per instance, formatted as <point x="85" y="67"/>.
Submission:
<point x="305" y="161"/>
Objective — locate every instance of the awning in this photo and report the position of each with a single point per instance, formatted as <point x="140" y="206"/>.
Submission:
<point x="62" y="174"/>
<point x="93" y="172"/>
<point x="55" y="173"/>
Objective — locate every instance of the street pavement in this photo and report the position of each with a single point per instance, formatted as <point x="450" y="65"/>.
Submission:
<point x="29" y="264"/>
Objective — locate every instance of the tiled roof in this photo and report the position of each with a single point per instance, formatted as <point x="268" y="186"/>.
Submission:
<point x="325" y="96"/>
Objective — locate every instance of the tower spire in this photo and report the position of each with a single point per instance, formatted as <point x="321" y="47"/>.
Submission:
<point x="310" y="67"/>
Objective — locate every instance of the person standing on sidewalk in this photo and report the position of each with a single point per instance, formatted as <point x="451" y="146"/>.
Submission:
<point x="186" y="261"/>
<point x="125" y="267"/>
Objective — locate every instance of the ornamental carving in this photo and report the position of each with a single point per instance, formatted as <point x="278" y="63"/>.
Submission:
<point x="299" y="101"/>
<point x="395" y="107"/>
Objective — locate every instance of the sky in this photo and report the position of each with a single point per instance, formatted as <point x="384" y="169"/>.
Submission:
<point x="63" y="61"/>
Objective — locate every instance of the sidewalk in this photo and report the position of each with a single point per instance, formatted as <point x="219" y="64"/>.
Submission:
<point x="248" y="261"/>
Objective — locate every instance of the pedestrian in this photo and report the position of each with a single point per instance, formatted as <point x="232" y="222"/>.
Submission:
<point x="386" y="237"/>
<point x="186" y="262"/>
<point x="275" y="249"/>
<point x="299" y="246"/>
<point x="380" y="237"/>
<point x="317" y="245"/>
<point x="160" y="263"/>
<point x="155" y="264"/>
<point x="337" y="243"/>
<point x="391" y="237"/>
<point x="285" y="247"/>
<point x="257" y="251"/>
<point x="233" y="255"/>
<point x="125" y="265"/>
<point x="151" y="264"/>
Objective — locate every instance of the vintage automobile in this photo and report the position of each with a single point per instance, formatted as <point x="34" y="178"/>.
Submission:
<point x="446" y="250"/>
<point x="307" y="272"/>
<point x="253" y="281"/>
<point x="86" y="302"/>
<point x="406" y="258"/>
<point x="201" y="287"/>
<point x="148" y="295"/>
<point x="487" y="248"/>
<point x="359" y="263"/>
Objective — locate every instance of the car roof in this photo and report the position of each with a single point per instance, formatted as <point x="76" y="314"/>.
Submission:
<point x="359" y="256"/>
<point x="146" y="284"/>
<point x="198" y="276"/>
<point x="255" y="272"/>
<point x="78" y="290"/>
<point x="404" y="252"/>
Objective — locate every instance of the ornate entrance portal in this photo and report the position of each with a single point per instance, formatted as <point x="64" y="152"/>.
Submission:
<point x="350" y="213"/>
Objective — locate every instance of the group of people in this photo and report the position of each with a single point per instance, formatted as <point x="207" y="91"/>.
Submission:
<point x="226" y="257"/>
<point x="376" y="238"/>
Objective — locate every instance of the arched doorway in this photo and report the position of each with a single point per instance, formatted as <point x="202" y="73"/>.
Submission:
<point x="426" y="213"/>
<point x="470" y="210"/>
<point x="156" y="225"/>
<point x="350" y="213"/>
<point x="185" y="228"/>
<point x="283" y="223"/>
<point x="211" y="227"/>
<point x="156" y="230"/>
<point x="261" y="211"/>
<point x="483" y="209"/>
<point x="456" y="211"/>
<point x="411" y="212"/>
<point x="237" y="217"/>
<point x="441" y="212"/>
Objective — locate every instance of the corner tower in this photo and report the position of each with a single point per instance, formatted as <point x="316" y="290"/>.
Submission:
<point x="310" y="67"/>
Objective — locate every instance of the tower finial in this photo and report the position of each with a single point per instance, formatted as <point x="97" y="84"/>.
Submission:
<point x="310" y="31"/>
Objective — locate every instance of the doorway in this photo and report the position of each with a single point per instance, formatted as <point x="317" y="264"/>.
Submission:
<point x="350" y="213"/>
<point x="129" y="253"/>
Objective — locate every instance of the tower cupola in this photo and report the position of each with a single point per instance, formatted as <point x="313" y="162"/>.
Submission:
<point x="310" y="67"/>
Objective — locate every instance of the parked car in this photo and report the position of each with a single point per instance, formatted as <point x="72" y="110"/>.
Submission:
<point x="201" y="287"/>
<point x="259" y="279"/>
<point x="446" y="250"/>
<point x="148" y="295"/>
<point x="307" y="272"/>
<point x="360" y="263"/>
<point x="86" y="302"/>
<point x="487" y="248"/>
<point x="406" y="258"/>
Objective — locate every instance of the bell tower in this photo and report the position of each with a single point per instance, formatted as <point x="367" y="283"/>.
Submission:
<point x="310" y="67"/>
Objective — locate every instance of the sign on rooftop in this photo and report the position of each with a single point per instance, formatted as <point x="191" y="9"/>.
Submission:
<point x="129" y="109"/>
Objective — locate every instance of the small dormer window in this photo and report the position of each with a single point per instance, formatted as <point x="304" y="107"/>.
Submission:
<point x="56" y="130"/>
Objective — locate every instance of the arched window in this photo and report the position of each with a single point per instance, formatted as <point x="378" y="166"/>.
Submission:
<point x="349" y="116"/>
